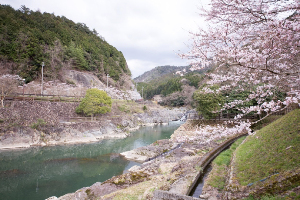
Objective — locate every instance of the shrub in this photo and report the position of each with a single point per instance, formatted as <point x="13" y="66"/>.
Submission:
<point x="94" y="102"/>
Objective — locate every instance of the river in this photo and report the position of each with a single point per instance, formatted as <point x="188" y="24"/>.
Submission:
<point x="38" y="173"/>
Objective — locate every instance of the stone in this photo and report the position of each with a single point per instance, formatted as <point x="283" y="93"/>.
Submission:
<point x="204" y="196"/>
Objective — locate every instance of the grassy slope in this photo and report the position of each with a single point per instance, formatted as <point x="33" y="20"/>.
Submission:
<point x="217" y="176"/>
<point x="273" y="149"/>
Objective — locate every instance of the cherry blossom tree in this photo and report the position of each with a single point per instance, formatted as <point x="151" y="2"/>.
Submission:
<point x="256" y="44"/>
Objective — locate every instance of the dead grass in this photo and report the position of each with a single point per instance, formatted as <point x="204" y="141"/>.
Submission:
<point x="126" y="106"/>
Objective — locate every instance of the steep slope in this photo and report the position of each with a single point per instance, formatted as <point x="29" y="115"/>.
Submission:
<point x="273" y="149"/>
<point x="268" y="162"/>
<point x="29" y="38"/>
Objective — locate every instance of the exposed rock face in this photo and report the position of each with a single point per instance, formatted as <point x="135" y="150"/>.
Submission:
<point x="119" y="94"/>
<point x="84" y="79"/>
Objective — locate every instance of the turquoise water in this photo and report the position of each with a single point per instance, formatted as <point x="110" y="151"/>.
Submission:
<point x="38" y="173"/>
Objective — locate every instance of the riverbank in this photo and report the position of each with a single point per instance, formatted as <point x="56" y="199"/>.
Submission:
<point x="25" y="124"/>
<point x="174" y="171"/>
<point x="40" y="172"/>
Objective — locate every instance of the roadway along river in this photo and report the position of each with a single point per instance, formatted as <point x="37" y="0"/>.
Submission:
<point x="38" y="173"/>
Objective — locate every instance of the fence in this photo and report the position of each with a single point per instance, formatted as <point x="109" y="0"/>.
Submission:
<point x="227" y="116"/>
<point x="41" y="97"/>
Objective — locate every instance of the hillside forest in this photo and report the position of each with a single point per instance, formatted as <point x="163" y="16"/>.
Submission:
<point x="29" y="38"/>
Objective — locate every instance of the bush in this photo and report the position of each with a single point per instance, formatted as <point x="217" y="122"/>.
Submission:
<point x="94" y="102"/>
<point x="40" y="123"/>
<point x="144" y="108"/>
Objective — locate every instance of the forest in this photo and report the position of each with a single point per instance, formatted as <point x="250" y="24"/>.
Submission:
<point x="29" y="38"/>
<point x="168" y="84"/>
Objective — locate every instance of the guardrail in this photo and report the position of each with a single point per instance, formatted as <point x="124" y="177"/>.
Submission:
<point x="32" y="97"/>
<point x="47" y="95"/>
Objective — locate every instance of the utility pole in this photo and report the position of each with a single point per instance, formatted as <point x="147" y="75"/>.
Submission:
<point x="142" y="92"/>
<point x="42" y="78"/>
<point x="23" y="87"/>
<point x="107" y="80"/>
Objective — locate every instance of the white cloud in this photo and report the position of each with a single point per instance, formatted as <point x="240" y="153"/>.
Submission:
<point x="140" y="66"/>
<point x="148" y="32"/>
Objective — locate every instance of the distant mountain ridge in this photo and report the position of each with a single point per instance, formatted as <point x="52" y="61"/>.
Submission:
<point x="159" y="72"/>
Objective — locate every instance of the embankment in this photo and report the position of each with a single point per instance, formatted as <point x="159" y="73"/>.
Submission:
<point x="38" y="123"/>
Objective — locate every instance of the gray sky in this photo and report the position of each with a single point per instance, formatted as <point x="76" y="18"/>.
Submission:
<point x="148" y="32"/>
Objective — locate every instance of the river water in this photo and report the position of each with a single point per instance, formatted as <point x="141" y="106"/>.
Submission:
<point x="38" y="173"/>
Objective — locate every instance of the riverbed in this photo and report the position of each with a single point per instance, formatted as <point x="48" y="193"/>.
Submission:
<point x="41" y="172"/>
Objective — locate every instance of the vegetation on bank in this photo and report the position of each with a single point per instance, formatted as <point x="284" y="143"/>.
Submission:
<point x="273" y="149"/>
<point x="208" y="104"/>
<point x="95" y="102"/>
<point x="270" y="154"/>
<point x="217" y="177"/>
<point x="168" y="84"/>
<point x="292" y="195"/>
<point x="122" y="107"/>
<point x="29" y="38"/>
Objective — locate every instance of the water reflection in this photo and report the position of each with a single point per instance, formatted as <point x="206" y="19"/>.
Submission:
<point x="38" y="173"/>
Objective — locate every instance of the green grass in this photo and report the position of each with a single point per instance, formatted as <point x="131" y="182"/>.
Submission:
<point x="268" y="120"/>
<point x="217" y="177"/>
<point x="265" y="198"/>
<point x="38" y="124"/>
<point x="225" y="157"/>
<point x="270" y="197"/>
<point x="273" y="149"/>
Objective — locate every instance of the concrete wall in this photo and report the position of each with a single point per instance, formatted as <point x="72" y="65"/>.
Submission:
<point x="210" y="156"/>
<point x="164" y="195"/>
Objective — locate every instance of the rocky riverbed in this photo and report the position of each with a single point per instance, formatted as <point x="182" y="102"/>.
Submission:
<point x="40" y="123"/>
<point x="173" y="168"/>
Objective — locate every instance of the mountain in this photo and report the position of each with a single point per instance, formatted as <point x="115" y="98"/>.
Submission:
<point x="170" y="85"/>
<point x="29" y="38"/>
<point x="159" y="72"/>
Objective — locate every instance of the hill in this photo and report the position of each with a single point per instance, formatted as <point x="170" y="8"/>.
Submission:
<point x="159" y="72"/>
<point x="29" y="38"/>
<point x="175" y="85"/>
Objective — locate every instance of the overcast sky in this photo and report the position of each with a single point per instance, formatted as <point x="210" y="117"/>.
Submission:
<point x="148" y="32"/>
